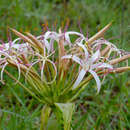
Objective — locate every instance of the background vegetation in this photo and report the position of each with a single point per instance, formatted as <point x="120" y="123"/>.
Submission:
<point x="108" y="110"/>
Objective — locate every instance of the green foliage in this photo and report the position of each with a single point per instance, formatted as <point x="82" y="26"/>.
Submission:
<point x="64" y="114"/>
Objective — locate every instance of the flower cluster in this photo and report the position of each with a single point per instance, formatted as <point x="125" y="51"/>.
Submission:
<point x="61" y="63"/>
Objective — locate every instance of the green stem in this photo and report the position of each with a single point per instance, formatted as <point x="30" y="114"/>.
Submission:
<point x="28" y="90"/>
<point x="45" y="113"/>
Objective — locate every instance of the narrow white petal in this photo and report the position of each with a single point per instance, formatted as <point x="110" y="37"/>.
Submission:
<point x="16" y="40"/>
<point x="77" y="60"/>
<point x="80" y="78"/>
<point x="67" y="38"/>
<point x="66" y="57"/>
<point x="51" y="45"/>
<point x="47" y="45"/>
<point x="52" y="35"/>
<point x="94" y="66"/>
<point x="101" y="65"/>
<point x="46" y="35"/>
<point x="105" y="65"/>
<point x="18" y="46"/>
<point x="41" y="37"/>
<point x="74" y="58"/>
<point x="5" y="54"/>
<point x="2" y="71"/>
<point x="75" y="33"/>
<point x="100" y="42"/>
<point x="105" y="42"/>
<point x="95" y="56"/>
<point x="42" y="68"/>
<point x="85" y="49"/>
<point x="97" y="79"/>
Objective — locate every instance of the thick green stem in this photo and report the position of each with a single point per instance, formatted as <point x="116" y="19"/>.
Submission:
<point x="63" y="112"/>
<point x="45" y="113"/>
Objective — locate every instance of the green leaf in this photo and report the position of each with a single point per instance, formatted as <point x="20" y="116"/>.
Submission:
<point x="45" y="113"/>
<point x="64" y="113"/>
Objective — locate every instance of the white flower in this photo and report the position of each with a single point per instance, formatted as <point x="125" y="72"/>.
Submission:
<point x="88" y="64"/>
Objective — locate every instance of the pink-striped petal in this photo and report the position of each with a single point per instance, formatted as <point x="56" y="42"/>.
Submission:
<point x="80" y="78"/>
<point x="95" y="56"/>
<point x="96" y="79"/>
<point x="74" y="58"/>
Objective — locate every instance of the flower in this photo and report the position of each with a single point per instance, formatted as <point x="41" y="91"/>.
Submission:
<point x="88" y="64"/>
<point x="55" y="66"/>
<point x="53" y="60"/>
<point x="43" y="59"/>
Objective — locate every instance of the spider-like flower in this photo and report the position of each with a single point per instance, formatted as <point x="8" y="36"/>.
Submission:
<point x="88" y="64"/>
<point x="58" y="67"/>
